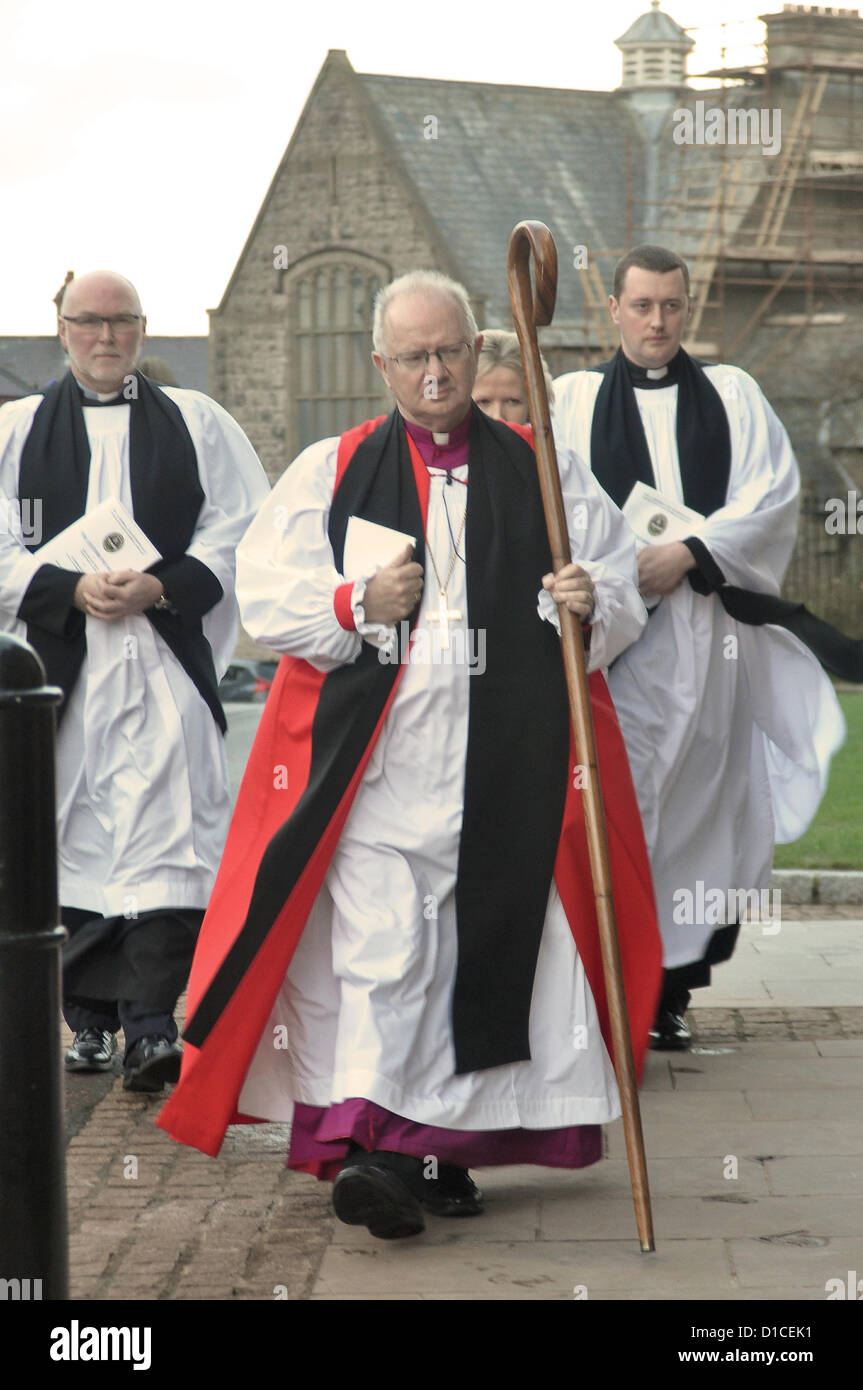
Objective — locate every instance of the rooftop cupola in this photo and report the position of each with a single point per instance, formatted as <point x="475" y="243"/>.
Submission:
<point x="654" y="51"/>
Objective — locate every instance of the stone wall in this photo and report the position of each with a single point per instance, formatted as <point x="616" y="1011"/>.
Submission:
<point x="336" y="190"/>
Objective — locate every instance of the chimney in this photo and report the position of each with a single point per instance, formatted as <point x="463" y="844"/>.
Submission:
<point x="815" y="36"/>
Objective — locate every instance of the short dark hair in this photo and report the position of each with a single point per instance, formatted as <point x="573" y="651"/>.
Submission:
<point x="647" y="257"/>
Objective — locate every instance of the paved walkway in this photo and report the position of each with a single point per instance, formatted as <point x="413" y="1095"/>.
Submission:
<point x="755" y="1152"/>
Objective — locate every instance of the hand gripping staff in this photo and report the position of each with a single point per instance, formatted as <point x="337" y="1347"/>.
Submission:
<point x="534" y="238"/>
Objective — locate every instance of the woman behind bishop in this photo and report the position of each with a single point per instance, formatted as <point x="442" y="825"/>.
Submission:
<point x="500" y="388"/>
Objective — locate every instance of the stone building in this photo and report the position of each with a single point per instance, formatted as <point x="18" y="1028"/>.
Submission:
<point x="382" y="175"/>
<point x="757" y="180"/>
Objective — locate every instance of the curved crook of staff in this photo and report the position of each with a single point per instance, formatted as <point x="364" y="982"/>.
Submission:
<point x="533" y="239"/>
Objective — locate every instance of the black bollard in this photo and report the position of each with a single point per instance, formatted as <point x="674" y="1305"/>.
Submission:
<point x="34" y="1259"/>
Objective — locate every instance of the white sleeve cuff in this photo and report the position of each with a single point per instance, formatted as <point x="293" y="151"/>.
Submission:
<point x="548" y="610"/>
<point x="381" y="635"/>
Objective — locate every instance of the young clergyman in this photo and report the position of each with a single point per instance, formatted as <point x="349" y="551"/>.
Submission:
<point x="729" y="727"/>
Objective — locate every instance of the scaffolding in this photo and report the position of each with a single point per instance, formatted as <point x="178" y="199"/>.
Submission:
<point x="787" y="230"/>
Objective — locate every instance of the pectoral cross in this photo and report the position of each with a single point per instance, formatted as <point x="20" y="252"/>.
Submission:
<point x="442" y="614"/>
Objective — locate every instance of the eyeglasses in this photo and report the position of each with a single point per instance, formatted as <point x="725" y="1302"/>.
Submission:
<point x="92" y="323"/>
<point x="447" y="356"/>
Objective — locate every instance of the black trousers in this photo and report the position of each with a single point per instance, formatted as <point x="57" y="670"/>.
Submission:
<point x="127" y="974"/>
<point x="677" y="982"/>
<point x="136" y="1020"/>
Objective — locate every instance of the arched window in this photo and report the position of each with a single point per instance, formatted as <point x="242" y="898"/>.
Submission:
<point x="335" y="382"/>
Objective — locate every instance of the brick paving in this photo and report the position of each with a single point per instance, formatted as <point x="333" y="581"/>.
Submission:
<point x="151" y="1219"/>
<point x="779" y="1087"/>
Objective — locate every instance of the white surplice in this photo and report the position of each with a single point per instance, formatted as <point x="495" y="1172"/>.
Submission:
<point x="729" y="728"/>
<point x="142" y="791"/>
<point x="366" y="1002"/>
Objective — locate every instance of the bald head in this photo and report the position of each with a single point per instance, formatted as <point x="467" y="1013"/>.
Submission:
<point x="102" y="328"/>
<point x="97" y="282"/>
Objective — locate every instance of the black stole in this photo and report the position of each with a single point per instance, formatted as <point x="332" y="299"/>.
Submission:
<point x="166" y="501"/>
<point x="620" y="457"/>
<point x="517" y="752"/>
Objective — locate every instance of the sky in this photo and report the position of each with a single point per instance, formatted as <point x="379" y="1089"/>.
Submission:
<point x="143" y="138"/>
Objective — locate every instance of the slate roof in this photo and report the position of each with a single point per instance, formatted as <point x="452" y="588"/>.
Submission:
<point x="504" y="153"/>
<point x="28" y="364"/>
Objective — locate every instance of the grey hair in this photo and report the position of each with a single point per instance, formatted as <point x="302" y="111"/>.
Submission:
<point x="500" y="349"/>
<point x="420" y="282"/>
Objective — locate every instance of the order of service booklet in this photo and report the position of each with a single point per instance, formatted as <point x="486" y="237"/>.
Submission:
<point x="107" y="538"/>
<point x="657" y="519"/>
<point x="369" y="546"/>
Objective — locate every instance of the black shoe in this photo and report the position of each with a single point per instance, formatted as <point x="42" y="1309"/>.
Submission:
<point x="92" y="1050"/>
<point x="452" y="1193"/>
<point x="371" y="1193"/>
<point x="151" y="1062"/>
<point x="669" y="1032"/>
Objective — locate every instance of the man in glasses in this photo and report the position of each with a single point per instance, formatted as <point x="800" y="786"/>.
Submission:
<point x="410" y="814"/>
<point x="143" y="801"/>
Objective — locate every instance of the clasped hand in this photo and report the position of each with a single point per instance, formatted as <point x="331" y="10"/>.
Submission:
<point x="394" y="592"/>
<point x="572" y="588"/>
<point x="116" y="595"/>
<point x="661" y="567"/>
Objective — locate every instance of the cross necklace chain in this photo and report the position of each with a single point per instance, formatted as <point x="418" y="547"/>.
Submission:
<point x="443" y="614"/>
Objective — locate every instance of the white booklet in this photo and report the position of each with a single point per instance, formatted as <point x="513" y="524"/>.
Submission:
<point x="369" y="546"/>
<point x="657" y="519"/>
<point x="107" y="538"/>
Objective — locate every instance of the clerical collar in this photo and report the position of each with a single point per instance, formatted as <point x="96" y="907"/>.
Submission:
<point x="89" y="397"/>
<point x="439" y="449"/>
<point x="653" y="378"/>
